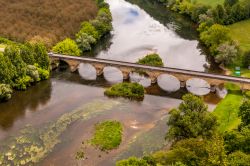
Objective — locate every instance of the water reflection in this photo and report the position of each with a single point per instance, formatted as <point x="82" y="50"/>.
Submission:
<point x="198" y="86"/>
<point x="22" y="102"/>
<point x="112" y="75"/>
<point x="87" y="71"/>
<point x="139" y="78"/>
<point x="136" y="34"/>
<point x="168" y="83"/>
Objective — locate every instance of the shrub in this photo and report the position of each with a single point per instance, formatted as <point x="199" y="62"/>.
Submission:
<point x="22" y="83"/>
<point x="84" y="41"/>
<point x="108" y="135"/>
<point x="68" y="47"/>
<point x="5" y="92"/>
<point x="127" y="90"/>
<point x="33" y="73"/>
<point x="132" y="161"/>
<point x="151" y="60"/>
<point x="89" y="29"/>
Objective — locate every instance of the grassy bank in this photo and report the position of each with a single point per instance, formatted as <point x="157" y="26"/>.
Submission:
<point x="108" y="135"/>
<point x="241" y="32"/>
<point x="212" y="3"/>
<point x="227" y="112"/>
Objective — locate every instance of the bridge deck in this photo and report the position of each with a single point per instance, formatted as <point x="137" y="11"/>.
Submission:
<point x="162" y="69"/>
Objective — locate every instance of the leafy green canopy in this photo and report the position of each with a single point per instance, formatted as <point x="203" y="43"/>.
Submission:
<point x="127" y="90"/>
<point x="191" y="120"/>
<point x="67" y="47"/>
<point x="108" y="135"/>
<point x="151" y="60"/>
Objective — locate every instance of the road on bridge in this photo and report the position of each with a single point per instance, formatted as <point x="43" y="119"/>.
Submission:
<point x="162" y="69"/>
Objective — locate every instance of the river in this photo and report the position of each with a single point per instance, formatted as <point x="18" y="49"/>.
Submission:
<point x="47" y="124"/>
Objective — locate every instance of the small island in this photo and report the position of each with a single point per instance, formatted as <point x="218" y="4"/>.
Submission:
<point x="108" y="135"/>
<point x="127" y="90"/>
<point x="151" y="60"/>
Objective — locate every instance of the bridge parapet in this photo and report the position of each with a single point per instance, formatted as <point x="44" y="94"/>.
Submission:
<point x="153" y="72"/>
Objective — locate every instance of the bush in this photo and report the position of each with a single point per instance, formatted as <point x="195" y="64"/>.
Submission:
<point x="27" y="54"/>
<point x="89" y="29"/>
<point x="41" y="56"/>
<point x="108" y="135"/>
<point x="132" y="161"/>
<point x="5" y="92"/>
<point x="127" y="90"/>
<point x="22" y="83"/>
<point x="67" y="47"/>
<point x="33" y="73"/>
<point x="151" y="60"/>
<point x="84" y="41"/>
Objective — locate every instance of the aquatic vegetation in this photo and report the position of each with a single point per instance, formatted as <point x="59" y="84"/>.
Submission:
<point x="33" y="144"/>
<point x="127" y="90"/>
<point x="108" y="135"/>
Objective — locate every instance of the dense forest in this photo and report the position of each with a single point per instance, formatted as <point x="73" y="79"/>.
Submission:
<point x="52" y="20"/>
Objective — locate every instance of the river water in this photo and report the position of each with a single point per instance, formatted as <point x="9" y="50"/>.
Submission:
<point x="47" y="124"/>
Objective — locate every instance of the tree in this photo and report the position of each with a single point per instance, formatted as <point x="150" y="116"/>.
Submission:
<point x="89" y="29"/>
<point x="84" y="41"/>
<point x="68" y="47"/>
<point x="227" y="52"/>
<point x="41" y="56"/>
<point x="191" y="120"/>
<point x="238" y="159"/>
<point x="5" y="92"/>
<point x="7" y="70"/>
<point x="27" y="54"/>
<point x="214" y="36"/>
<point x="13" y="53"/>
<point x="244" y="113"/>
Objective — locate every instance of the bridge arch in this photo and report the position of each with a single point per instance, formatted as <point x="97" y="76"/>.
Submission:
<point x="168" y="83"/>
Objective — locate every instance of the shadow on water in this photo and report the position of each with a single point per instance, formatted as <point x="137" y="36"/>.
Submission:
<point x="22" y="101"/>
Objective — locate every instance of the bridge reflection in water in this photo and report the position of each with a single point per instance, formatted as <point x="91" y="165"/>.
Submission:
<point x="173" y="78"/>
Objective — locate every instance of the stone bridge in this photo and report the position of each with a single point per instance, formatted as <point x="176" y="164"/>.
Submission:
<point x="153" y="72"/>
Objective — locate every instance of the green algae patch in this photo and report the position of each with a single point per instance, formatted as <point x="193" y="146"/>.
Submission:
<point x="33" y="144"/>
<point x="108" y="135"/>
<point x="127" y="90"/>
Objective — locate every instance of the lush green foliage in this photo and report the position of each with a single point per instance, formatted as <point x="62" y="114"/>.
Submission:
<point x="244" y="113"/>
<point x="191" y="120"/>
<point x="17" y="65"/>
<point x="108" y="135"/>
<point x="151" y="60"/>
<point x="92" y="31"/>
<point x="67" y="47"/>
<point x="5" y="92"/>
<point x="128" y="90"/>
<point x="132" y="161"/>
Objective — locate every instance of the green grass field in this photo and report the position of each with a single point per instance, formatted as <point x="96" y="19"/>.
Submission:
<point x="241" y="32"/>
<point x="227" y="112"/>
<point x="210" y="2"/>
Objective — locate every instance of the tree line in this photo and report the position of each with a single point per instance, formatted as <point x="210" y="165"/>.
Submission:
<point x="196" y="140"/>
<point x="212" y="23"/>
<point x="22" y="65"/>
<point x="89" y="34"/>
